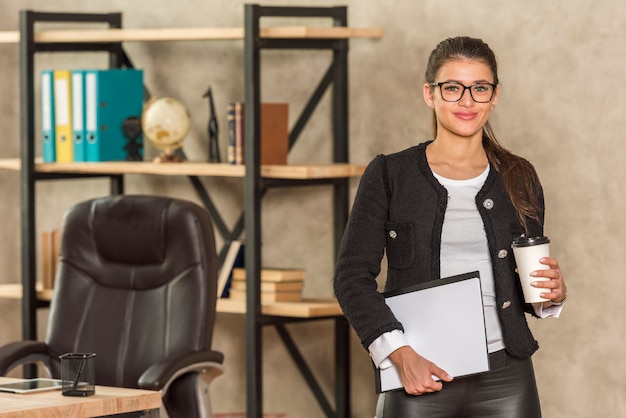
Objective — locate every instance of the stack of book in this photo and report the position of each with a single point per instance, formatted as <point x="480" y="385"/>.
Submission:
<point x="277" y="285"/>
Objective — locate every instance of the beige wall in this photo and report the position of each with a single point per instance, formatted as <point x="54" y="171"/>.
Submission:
<point x="561" y="67"/>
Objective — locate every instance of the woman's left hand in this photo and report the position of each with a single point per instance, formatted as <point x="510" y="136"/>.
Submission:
<point x="555" y="286"/>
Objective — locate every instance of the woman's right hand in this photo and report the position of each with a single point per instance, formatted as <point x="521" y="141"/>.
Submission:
<point x="416" y="373"/>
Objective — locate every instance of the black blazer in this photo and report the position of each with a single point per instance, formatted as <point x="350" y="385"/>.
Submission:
<point x="399" y="208"/>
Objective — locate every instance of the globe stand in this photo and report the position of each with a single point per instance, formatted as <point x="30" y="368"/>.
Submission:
<point x="168" y="158"/>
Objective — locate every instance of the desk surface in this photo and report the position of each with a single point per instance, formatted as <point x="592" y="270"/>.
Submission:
<point x="51" y="404"/>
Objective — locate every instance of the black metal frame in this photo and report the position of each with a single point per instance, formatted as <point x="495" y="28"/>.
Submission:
<point x="254" y="185"/>
<point x="27" y="50"/>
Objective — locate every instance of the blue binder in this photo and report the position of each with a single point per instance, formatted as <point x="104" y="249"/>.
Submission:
<point x="78" y="118"/>
<point x="47" y="117"/>
<point x="111" y="97"/>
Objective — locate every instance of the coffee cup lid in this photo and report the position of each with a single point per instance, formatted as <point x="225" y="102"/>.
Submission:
<point x="527" y="242"/>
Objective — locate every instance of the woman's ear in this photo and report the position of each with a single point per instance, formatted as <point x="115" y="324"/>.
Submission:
<point x="494" y="101"/>
<point x="428" y="96"/>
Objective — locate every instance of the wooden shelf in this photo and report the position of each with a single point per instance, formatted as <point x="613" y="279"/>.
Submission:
<point x="14" y="291"/>
<point x="312" y="308"/>
<point x="289" y="171"/>
<point x="9" y="37"/>
<point x="191" y="34"/>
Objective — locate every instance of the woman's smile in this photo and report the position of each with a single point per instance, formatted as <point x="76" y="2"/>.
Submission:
<point x="465" y="115"/>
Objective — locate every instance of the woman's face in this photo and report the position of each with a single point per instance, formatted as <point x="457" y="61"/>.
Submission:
<point x="466" y="117"/>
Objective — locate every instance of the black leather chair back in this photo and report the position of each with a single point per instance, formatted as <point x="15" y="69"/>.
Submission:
<point x="135" y="284"/>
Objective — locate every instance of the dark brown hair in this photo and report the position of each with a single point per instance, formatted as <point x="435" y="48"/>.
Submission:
<point x="518" y="175"/>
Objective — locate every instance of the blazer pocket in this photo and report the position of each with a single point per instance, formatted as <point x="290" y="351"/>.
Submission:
<point x="400" y="245"/>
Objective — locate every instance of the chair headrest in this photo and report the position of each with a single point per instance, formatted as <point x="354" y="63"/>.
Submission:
<point x="130" y="230"/>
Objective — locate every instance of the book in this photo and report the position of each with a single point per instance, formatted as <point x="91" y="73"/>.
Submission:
<point x="230" y="124"/>
<point x="239" y="128"/>
<point x="234" y="258"/>
<point x="47" y="272"/>
<point x="50" y="253"/>
<point x="56" y="253"/>
<point x="273" y="274"/>
<point x="294" y="286"/>
<point x="274" y="133"/>
<point x="268" y="297"/>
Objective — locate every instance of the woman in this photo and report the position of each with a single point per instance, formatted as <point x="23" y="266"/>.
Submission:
<point x="450" y="206"/>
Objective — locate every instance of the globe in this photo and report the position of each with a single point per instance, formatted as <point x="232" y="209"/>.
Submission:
<point x="165" y="123"/>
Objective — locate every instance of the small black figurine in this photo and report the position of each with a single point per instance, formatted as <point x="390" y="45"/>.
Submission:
<point x="214" y="149"/>
<point x="131" y="127"/>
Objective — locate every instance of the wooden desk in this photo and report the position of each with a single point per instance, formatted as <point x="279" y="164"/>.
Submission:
<point x="51" y="404"/>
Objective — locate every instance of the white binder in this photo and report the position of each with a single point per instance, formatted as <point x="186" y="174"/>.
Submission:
<point x="444" y="322"/>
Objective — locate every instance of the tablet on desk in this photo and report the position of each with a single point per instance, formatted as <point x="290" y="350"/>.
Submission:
<point x="31" y="385"/>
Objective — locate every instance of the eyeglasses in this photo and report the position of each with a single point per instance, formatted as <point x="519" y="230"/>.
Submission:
<point x="452" y="91"/>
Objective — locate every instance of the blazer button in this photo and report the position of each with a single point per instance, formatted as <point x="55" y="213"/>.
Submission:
<point x="506" y="304"/>
<point x="393" y="234"/>
<point x="502" y="253"/>
<point x="488" y="203"/>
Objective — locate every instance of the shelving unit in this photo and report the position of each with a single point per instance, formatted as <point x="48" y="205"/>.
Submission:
<point x="257" y="179"/>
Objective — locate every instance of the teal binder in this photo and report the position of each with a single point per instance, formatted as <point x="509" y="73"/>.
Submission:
<point x="47" y="117"/>
<point x="112" y="97"/>
<point x="78" y="115"/>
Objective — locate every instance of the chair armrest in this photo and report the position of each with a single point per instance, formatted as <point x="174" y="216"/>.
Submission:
<point x="159" y="376"/>
<point x="22" y="352"/>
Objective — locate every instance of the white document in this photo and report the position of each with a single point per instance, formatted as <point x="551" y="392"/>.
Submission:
<point x="444" y="322"/>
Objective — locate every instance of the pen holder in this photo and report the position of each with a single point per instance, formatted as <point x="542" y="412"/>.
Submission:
<point x="78" y="374"/>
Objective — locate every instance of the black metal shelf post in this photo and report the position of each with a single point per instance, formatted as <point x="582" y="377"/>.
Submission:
<point x="254" y="186"/>
<point x="28" y="48"/>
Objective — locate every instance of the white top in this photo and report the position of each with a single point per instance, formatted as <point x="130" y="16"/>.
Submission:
<point x="464" y="248"/>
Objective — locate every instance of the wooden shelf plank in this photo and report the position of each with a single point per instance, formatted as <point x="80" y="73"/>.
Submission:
<point x="12" y="164"/>
<point x="188" y="168"/>
<point x="9" y="37"/>
<point x="142" y="35"/>
<point x="314" y="171"/>
<point x="312" y="308"/>
<point x="312" y="32"/>
<point x="191" y="34"/>
<point x="125" y="167"/>
<point x="14" y="291"/>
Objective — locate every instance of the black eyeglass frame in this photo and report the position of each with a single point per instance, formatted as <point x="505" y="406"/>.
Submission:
<point x="493" y="90"/>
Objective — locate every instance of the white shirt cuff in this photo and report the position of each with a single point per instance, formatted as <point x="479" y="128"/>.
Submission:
<point x="384" y="345"/>
<point x="550" y="311"/>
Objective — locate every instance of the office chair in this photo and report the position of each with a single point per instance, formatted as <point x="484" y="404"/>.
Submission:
<point x="136" y="284"/>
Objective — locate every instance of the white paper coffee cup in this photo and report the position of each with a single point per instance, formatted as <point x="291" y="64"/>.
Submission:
<point x="527" y="253"/>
